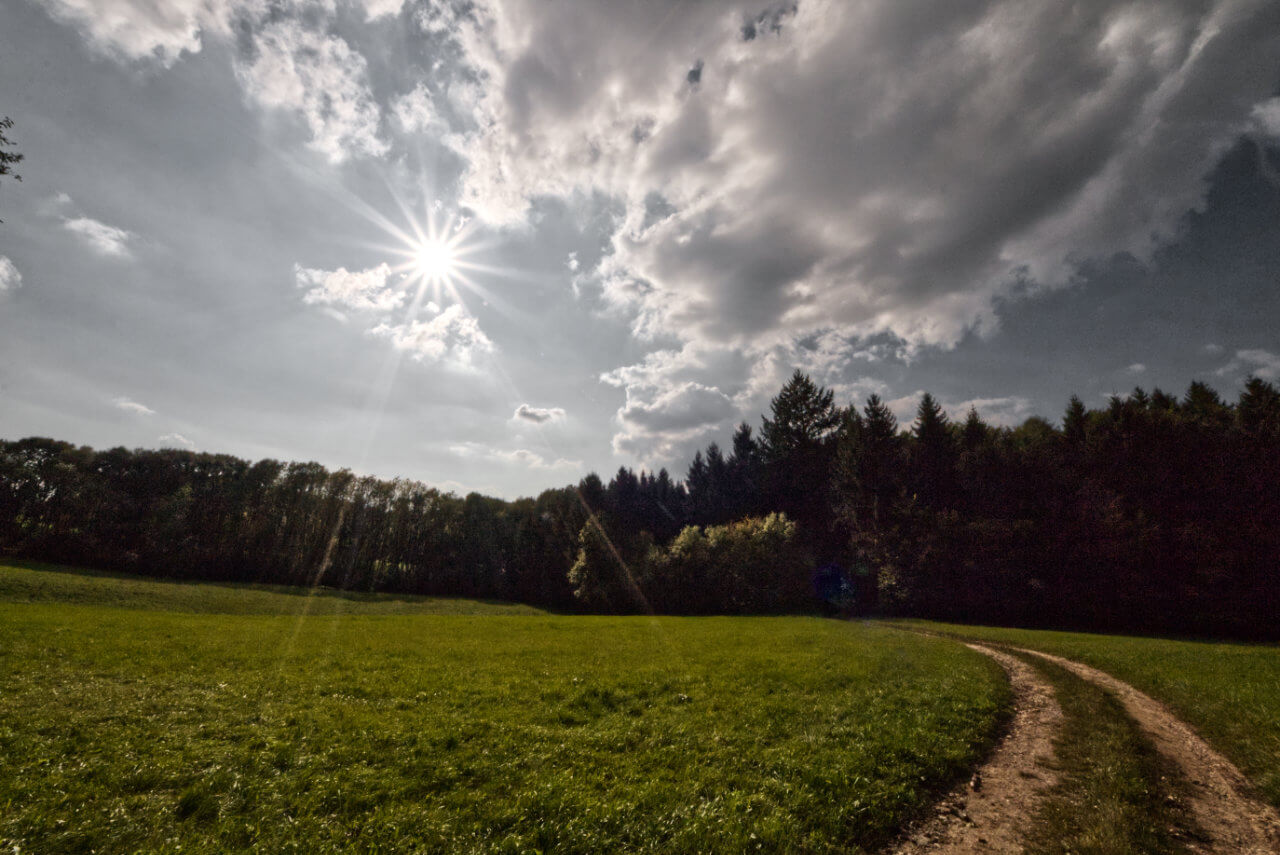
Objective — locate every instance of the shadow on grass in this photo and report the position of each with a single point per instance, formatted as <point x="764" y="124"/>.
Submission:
<point x="164" y="584"/>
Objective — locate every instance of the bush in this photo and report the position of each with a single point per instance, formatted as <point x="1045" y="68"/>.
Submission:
<point x="751" y="566"/>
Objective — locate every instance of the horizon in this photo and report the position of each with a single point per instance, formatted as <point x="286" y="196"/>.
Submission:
<point x="494" y="250"/>
<point x="904" y="410"/>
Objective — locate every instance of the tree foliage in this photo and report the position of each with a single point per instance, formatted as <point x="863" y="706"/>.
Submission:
<point x="8" y="159"/>
<point x="1153" y="512"/>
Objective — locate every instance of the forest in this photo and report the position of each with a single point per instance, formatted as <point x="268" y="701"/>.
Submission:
<point x="1153" y="513"/>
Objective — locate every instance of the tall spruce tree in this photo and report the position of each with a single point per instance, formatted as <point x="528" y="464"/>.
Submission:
<point x="1074" y="421"/>
<point x="746" y="483"/>
<point x="934" y="454"/>
<point x="881" y="456"/>
<point x="798" y="446"/>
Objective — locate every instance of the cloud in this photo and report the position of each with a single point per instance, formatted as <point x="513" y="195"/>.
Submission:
<point x="360" y="289"/>
<point x="415" y="110"/>
<point x="10" y="276"/>
<point x="670" y="379"/>
<point x="1213" y="349"/>
<point x="1259" y="363"/>
<point x="374" y="9"/>
<point x="1267" y="117"/>
<point x="51" y="205"/>
<point x="519" y="456"/>
<point x="320" y="77"/>
<point x="177" y="439"/>
<point x="1008" y="411"/>
<point x="102" y="238"/>
<point x="536" y="461"/>
<point x="144" y="29"/>
<point x="1137" y="368"/>
<point x="821" y="177"/>
<point x="686" y="406"/>
<point x="290" y="62"/>
<point x="130" y="406"/>
<point x="451" y="336"/>
<point x="661" y="427"/>
<point x="539" y="415"/>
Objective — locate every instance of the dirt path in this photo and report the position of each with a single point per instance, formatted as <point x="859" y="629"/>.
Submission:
<point x="987" y="814"/>
<point x="1233" y="823"/>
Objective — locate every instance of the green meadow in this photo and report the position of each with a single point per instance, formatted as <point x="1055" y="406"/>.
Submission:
<point x="1230" y="693"/>
<point x="142" y="715"/>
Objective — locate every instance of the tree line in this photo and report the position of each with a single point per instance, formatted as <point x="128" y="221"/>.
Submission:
<point x="1152" y="513"/>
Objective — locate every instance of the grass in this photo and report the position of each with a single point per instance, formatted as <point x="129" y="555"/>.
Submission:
<point x="33" y="582"/>
<point x="155" y="729"/>
<point x="1230" y="693"/>
<point x="1112" y="784"/>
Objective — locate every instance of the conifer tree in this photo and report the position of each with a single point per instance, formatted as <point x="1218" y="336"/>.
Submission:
<point x="1259" y="408"/>
<point x="934" y="453"/>
<point x="804" y="417"/>
<point x="798" y="447"/>
<point x="974" y="433"/>
<point x="881" y="453"/>
<point x="1074" y="421"/>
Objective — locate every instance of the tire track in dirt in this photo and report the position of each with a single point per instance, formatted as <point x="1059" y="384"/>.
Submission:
<point x="989" y="814"/>
<point x="1232" y="822"/>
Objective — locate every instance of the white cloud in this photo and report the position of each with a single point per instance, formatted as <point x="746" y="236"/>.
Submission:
<point x="688" y="405"/>
<point x="1213" y="349"/>
<point x="1137" y="368"/>
<point x="145" y="29"/>
<point x="451" y="336"/>
<point x="293" y="64"/>
<point x="1008" y="411"/>
<point x="661" y="427"/>
<point x="319" y="76"/>
<point x="1267" y="117"/>
<point x="177" y="439"/>
<point x="670" y="380"/>
<point x="415" y="110"/>
<point x="374" y="9"/>
<point x="539" y="415"/>
<point x="819" y="178"/>
<point x="102" y="238"/>
<point x="10" y="276"/>
<point x="518" y="456"/>
<point x="131" y="406"/>
<point x="1260" y="363"/>
<point x="359" y="289"/>
<point x="536" y="461"/>
<point x="51" y="205"/>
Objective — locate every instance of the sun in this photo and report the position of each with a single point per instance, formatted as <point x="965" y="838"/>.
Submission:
<point x="434" y="260"/>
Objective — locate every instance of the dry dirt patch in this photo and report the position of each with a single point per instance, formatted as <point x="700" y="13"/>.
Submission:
<point x="988" y="814"/>
<point x="1233" y="823"/>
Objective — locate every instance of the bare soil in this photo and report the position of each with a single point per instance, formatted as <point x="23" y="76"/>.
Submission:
<point x="1218" y="797"/>
<point x="989" y="813"/>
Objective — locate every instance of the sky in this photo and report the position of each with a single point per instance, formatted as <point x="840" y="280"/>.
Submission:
<point x="494" y="245"/>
